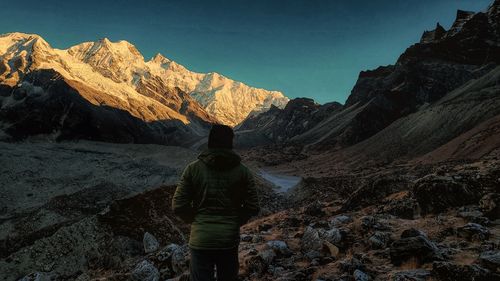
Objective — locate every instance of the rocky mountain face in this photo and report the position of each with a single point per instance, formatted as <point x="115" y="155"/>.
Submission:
<point x="441" y="62"/>
<point x="102" y="85"/>
<point x="280" y="125"/>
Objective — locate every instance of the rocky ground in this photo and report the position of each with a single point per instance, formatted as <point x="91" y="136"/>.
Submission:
<point x="438" y="221"/>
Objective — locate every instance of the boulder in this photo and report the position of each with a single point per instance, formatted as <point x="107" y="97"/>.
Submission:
<point x="145" y="271"/>
<point x="340" y="220"/>
<point x="473" y="214"/>
<point x="150" y="243"/>
<point x="490" y="205"/>
<point x="414" y="245"/>
<point x="360" y="276"/>
<point x="246" y="238"/>
<point x="371" y="222"/>
<point x="436" y="194"/>
<point x="447" y="271"/>
<point x="351" y="265"/>
<point x="332" y="249"/>
<point x="379" y="240"/>
<point x="268" y="256"/>
<point x="36" y="276"/>
<point x="178" y="255"/>
<point x="490" y="260"/>
<point x="473" y="232"/>
<point x="310" y="240"/>
<point x="333" y="235"/>
<point x="180" y="259"/>
<point x="412" y="275"/>
<point x="279" y="247"/>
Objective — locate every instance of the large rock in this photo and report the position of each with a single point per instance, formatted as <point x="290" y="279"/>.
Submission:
<point x="379" y="240"/>
<point x="437" y="194"/>
<point x="333" y="235"/>
<point x="447" y="271"/>
<point x="491" y="260"/>
<point x="414" y="246"/>
<point x="145" y="271"/>
<point x="178" y="256"/>
<point x="412" y="275"/>
<point x="473" y="232"/>
<point x="490" y="205"/>
<point x="360" y="276"/>
<point x="36" y="276"/>
<point x="279" y="247"/>
<point x="310" y="240"/>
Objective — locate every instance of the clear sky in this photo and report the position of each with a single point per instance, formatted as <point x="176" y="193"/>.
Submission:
<point x="306" y="48"/>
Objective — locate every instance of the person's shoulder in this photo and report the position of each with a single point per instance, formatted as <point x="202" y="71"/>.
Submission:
<point x="194" y="164"/>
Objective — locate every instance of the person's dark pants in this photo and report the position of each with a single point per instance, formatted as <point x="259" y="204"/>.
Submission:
<point x="204" y="264"/>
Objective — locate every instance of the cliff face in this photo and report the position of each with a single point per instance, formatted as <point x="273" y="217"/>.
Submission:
<point x="441" y="62"/>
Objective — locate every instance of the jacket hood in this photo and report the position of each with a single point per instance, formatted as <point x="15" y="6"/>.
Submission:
<point x="219" y="158"/>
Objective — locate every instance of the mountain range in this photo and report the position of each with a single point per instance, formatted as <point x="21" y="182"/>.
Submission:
<point x="106" y="91"/>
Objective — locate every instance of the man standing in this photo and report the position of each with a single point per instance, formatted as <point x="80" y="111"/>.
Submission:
<point x="216" y="193"/>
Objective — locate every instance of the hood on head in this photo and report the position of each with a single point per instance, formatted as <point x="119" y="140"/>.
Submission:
<point x="219" y="158"/>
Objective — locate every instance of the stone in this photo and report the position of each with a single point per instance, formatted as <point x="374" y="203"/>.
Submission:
<point x="360" y="276"/>
<point x="490" y="260"/>
<point x="447" y="271"/>
<point x="473" y="215"/>
<point x="473" y="232"/>
<point x="311" y="240"/>
<point x="246" y="238"/>
<point x="257" y="239"/>
<point x="490" y="205"/>
<point x="371" y="222"/>
<point x="351" y="265"/>
<point x="180" y="259"/>
<point x="178" y="255"/>
<point x="145" y="271"/>
<point x="405" y="208"/>
<point x="166" y="252"/>
<point x="340" y="220"/>
<point x="312" y="254"/>
<point x="315" y="209"/>
<point x="333" y="235"/>
<point x="256" y="265"/>
<point x="418" y="247"/>
<point x="150" y="243"/>
<point x="36" y="276"/>
<point x="279" y="247"/>
<point x="379" y="240"/>
<point x="412" y="232"/>
<point x="332" y="249"/>
<point x="435" y="194"/>
<point x="412" y="275"/>
<point x="267" y="256"/>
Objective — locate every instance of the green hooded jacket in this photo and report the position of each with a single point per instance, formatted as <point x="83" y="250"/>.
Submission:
<point x="217" y="194"/>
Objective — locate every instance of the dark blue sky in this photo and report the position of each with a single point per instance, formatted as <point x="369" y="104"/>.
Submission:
<point x="312" y="48"/>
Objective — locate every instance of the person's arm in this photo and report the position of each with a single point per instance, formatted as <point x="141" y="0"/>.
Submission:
<point x="250" y="203"/>
<point x="182" y="202"/>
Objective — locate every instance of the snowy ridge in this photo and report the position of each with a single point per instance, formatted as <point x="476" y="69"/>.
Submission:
<point x="119" y="70"/>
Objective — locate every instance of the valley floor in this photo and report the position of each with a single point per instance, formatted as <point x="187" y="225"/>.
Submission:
<point x="81" y="211"/>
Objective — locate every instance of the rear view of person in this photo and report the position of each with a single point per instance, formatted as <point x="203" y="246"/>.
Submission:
<point x="216" y="194"/>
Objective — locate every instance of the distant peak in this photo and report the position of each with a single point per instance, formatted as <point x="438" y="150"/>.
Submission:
<point x="433" y="35"/>
<point x="159" y="58"/>
<point x="463" y="15"/>
<point x="21" y="35"/>
<point x="104" y="40"/>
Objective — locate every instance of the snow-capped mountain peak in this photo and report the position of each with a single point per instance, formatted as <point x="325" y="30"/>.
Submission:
<point x="226" y="100"/>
